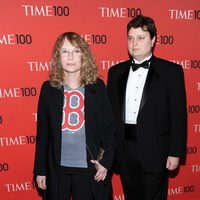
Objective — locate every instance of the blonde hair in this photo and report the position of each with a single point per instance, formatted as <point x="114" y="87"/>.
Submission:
<point x="89" y="70"/>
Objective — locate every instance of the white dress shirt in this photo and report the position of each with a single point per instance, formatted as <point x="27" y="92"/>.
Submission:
<point x="134" y="89"/>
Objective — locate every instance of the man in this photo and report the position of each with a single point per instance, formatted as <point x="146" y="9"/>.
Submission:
<point x="149" y="105"/>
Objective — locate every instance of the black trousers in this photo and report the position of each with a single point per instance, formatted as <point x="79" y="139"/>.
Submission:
<point x="137" y="183"/>
<point x="75" y="185"/>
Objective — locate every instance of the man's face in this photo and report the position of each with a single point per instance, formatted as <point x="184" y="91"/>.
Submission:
<point x="139" y="43"/>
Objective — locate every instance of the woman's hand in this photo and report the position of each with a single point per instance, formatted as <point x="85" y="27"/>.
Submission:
<point x="172" y="163"/>
<point x="101" y="171"/>
<point x="41" y="182"/>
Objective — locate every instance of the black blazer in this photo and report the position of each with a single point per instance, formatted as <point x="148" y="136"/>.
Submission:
<point x="162" y="117"/>
<point x="99" y="125"/>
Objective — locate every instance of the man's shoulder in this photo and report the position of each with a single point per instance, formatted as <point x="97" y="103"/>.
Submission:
<point x="166" y="62"/>
<point x="168" y="66"/>
<point x="120" y="66"/>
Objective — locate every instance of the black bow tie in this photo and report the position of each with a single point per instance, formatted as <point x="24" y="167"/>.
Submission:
<point x="145" y="65"/>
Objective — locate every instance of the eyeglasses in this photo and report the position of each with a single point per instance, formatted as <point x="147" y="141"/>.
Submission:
<point x="75" y="53"/>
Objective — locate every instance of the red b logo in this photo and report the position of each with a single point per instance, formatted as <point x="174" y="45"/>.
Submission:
<point x="69" y="110"/>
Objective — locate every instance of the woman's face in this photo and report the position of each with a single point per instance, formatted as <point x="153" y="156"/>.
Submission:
<point x="70" y="57"/>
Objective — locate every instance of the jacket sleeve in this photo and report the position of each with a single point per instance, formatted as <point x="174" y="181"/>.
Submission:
<point x="41" y="136"/>
<point x="178" y="112"/>
<point x="107" y="132"/>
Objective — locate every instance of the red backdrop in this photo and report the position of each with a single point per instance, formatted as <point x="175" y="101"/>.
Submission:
<point x="29" y="29"/>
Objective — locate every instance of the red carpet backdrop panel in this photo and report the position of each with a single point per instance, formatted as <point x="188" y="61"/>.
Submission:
<point x="28" y="31"/>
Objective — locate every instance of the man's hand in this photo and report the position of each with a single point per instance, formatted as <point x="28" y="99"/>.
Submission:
<point x="172" y="162"/>
<point x="101" y="171"/>
<point x="41" y="182"/>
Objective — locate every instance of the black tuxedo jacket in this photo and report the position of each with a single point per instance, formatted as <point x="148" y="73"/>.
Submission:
<point x="162" y="117"/>
<point x="99" y="125"/>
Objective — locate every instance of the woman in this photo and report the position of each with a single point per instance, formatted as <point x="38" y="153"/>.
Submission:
<point x="74" y="123"/>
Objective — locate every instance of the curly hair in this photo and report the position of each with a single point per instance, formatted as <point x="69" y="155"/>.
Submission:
<point x="88" y="71"/>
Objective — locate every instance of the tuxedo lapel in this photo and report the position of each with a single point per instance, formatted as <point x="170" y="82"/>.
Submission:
<point x="151" y="80"/>
<point x="122" y="89"/>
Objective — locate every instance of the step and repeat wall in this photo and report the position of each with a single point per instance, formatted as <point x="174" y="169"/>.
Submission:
<point x="28" y="30"/>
